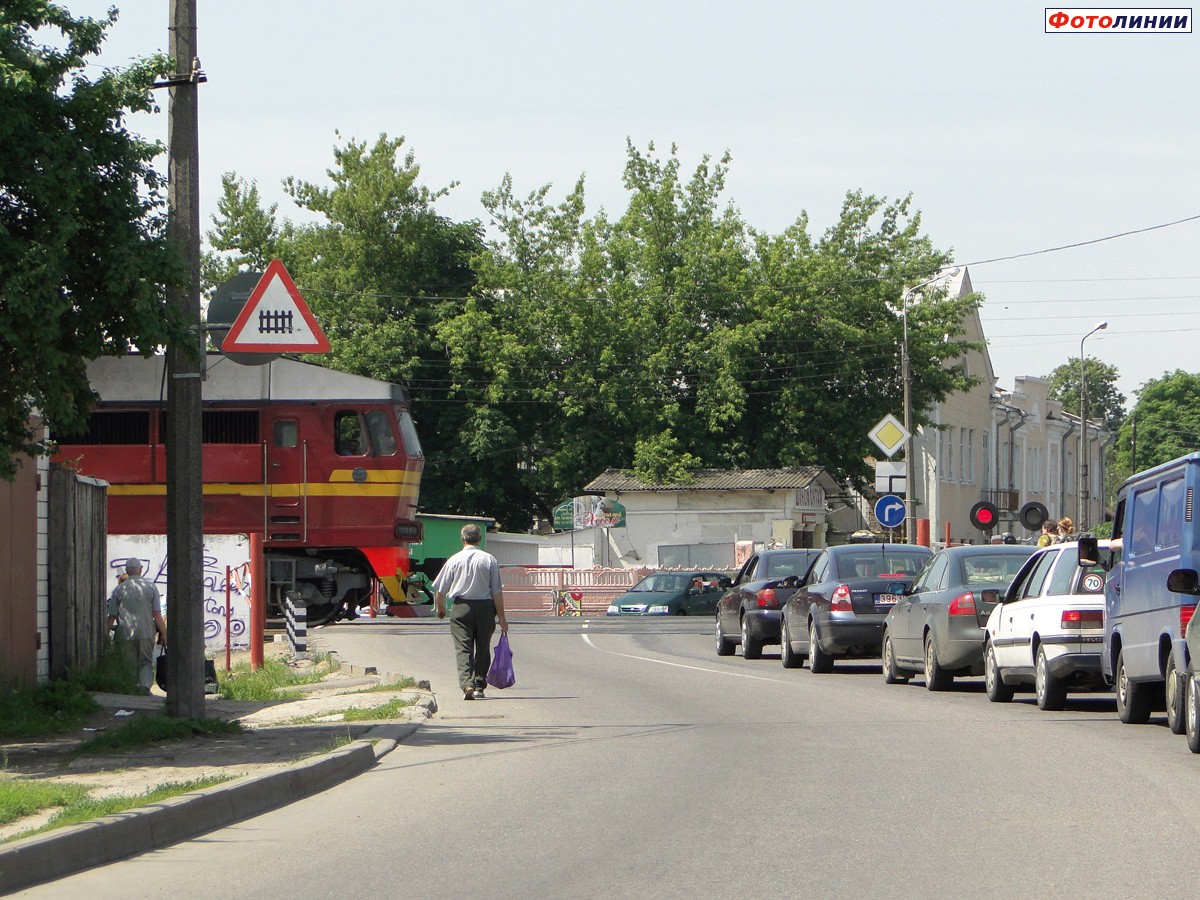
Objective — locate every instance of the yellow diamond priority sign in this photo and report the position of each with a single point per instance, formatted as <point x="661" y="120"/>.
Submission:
<point x="889" y="435"/>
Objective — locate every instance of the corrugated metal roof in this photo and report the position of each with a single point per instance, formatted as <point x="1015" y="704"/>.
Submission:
<point x="613" y="480"/>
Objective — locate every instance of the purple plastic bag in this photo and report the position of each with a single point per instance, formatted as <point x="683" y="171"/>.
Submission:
<point x="500" y="675"/>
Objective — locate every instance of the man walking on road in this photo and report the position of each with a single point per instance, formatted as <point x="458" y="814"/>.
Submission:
<point x="471" y="579"/>
<point x="133" y="610"/>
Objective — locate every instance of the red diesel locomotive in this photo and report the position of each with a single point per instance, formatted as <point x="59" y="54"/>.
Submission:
<point x="325" y="465"/>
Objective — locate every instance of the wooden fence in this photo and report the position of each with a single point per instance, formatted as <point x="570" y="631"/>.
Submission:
<point x="78" y="569"/>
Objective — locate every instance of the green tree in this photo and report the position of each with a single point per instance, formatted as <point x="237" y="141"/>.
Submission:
<point x="246" y="237"/>
<point x="83" y="256"/>
<point x="1163" y="425"/>
<point x="1104" y="400"/>
<point x="666" y="337"/>
<point x="822" y="346"/>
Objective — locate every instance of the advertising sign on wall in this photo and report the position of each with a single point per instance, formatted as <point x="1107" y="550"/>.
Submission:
<point x="588" y="512"/>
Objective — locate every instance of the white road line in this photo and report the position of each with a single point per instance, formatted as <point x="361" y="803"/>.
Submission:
<point x="662" y="662"/>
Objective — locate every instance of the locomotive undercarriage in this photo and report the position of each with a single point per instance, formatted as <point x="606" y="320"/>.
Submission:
<point x="332" y="584"/>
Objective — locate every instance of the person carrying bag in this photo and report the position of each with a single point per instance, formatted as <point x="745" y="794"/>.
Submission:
<point x="501" y="675"/>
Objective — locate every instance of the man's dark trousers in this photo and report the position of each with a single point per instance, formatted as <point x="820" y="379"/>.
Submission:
<point x="472" y="624"/>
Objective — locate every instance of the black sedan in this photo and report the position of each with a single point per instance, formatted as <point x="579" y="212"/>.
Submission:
<point x="748" y="614"/>
<point x="939" y="626"/>
<point x="839" y="609"/>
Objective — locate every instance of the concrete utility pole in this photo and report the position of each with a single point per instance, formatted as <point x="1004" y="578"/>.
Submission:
<point x="185" y="520"/>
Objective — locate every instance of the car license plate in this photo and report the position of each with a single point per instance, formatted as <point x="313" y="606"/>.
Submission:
<point x="887" y="599"/>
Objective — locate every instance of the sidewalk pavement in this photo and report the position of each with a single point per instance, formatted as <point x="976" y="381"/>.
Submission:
<point x="283" y="756"/>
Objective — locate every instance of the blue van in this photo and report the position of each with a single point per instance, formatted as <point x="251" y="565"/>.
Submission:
<point x="1152" y="589"/>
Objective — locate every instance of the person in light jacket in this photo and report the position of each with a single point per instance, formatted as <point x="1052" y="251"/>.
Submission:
<point x="135" y="618"/>
<point x="471" y="579"/>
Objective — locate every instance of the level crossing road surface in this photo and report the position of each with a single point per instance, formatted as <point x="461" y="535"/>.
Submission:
<point x="630" y="761"/>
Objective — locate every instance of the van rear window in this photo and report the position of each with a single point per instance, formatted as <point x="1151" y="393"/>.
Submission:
<point x="1145" y="520"/>
<point x="1170" y="514"/>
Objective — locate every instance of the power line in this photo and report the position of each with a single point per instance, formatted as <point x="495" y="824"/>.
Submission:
<point x="1100" y="240"/>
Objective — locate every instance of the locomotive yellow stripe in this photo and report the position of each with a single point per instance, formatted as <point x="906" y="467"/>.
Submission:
<point x="372" y="475"/>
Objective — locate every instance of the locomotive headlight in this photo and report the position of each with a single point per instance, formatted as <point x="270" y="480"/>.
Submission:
<point x="409" y="531"/>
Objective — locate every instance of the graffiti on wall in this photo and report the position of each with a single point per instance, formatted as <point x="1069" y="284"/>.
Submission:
<point x="223" y="553"/>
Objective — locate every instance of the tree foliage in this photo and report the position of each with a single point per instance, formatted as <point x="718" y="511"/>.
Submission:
<point x="83" y="256"/>
<point x="668" y="337"/>
<point x="1165" y="422"/>
<point x="1104" y="400"/>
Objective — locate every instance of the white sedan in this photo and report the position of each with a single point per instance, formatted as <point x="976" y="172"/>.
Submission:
<point x="1048" y="630"/>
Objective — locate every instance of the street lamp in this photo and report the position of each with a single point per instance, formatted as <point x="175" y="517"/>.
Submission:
<point x="1081" y="497"/>
<point x="910" y="476"/>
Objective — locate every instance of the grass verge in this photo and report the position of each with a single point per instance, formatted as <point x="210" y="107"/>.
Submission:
<point x="389" y="710"/>
<point x="266" y="683"/>
<point x="49" y="708"/>
<point x="20" y="798"/>
<point x="62" y="705"/>
<point x="143" y="730"/>
<point x="85" y="809"/>
<point x="402" y="685"/>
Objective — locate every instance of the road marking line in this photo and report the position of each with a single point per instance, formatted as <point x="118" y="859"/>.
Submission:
<point x="587" y="639"/>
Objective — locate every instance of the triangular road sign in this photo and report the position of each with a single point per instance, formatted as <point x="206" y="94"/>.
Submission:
<point x="275" y="319"/>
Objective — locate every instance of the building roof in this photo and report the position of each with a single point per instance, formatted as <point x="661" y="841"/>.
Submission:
<point x="620" y="481"/>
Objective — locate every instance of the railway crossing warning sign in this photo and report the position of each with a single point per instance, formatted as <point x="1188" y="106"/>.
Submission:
<point x="275" y="319"/>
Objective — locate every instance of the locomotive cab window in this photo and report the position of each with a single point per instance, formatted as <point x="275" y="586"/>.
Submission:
<point x="408" y="433"/>
<point x="348" y="436"/>
<point x="383" y="439"/>
<point x="287" y="433"/>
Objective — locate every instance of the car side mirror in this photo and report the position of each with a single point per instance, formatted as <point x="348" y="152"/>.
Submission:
<point x="1183" y="581"/>
<point x="1092" y="554"/>
<point x="990" y="595"/>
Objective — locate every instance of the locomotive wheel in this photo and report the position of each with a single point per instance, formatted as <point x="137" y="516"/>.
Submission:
<point x="323" y="613"/>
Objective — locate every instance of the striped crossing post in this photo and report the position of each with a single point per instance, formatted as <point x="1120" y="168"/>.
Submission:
<point x="297" y="625"/>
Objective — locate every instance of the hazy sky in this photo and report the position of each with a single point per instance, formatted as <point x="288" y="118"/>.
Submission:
<point x="1009" y="139"/>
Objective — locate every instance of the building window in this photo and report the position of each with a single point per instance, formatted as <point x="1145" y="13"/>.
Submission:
<point x="971" y="456"/>
<point x="986" y="450"/>
<point x="950" y="454"/>
<point x="963" y="455"/>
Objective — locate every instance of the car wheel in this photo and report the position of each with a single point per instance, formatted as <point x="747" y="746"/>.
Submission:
<point x="891" y="672"/>
<point x="681" y="611"/>
<point x="1133" y="700"/>
<point x="724" y="644"/>
<point x="790" y="658"/>
<point x="1175" y="696"/>
<point x="997" y="690"/>
<point x="751" y="647"/>
<point x="936" y="678"/>
<point x="1192" y="714"/>
<point x="1051" y="691"/>
<point x="819" y="661"/>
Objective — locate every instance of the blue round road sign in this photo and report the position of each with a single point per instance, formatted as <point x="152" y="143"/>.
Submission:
<point x="889" y="510"/>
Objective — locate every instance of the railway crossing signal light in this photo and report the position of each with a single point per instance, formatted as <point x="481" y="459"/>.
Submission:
<point x="984" y="515"/>
<point x="1033" y="514"/>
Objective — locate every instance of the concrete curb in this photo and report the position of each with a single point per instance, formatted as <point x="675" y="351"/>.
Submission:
<point x="56" y="854"/>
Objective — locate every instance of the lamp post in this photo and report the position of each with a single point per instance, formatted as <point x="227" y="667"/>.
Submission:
<point x="1081" y="510"/>
<point x="910" y="475"/>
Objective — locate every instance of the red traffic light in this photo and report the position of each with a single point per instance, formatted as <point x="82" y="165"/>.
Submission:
<point x="984" y="515"/>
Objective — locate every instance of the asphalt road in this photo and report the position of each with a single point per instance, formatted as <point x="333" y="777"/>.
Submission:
<point x="630" y="761"/>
